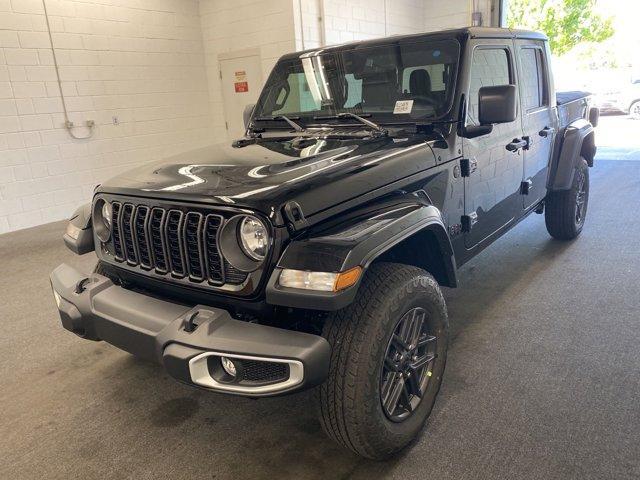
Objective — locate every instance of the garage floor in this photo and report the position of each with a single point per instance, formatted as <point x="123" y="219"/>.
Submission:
<point x="543" y="379"/>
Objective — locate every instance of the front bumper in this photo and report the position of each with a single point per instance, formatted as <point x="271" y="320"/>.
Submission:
<point x="189" y="347"/>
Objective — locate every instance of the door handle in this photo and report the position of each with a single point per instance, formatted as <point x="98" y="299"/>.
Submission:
<point x="546" y="132"/>
<point x="516" y="144"/>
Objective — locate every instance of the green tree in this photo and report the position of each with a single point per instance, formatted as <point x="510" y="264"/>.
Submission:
<point x="567" y="23"/>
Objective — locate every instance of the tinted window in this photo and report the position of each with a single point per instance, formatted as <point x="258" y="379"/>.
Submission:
<point x="490" y="66"/>
<point x="532" y="81"/>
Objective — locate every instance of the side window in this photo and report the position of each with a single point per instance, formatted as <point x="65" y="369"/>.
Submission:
<point x="295" y="96"/>
<point x="489" y="67"/>
<point x="533" y="80"/>
<point x="354" y="90"/>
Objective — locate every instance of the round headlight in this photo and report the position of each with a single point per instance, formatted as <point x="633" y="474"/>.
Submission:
<point x="107" y="213"/>
<point x="102" y="213"/>
<point x="254" y="238"/>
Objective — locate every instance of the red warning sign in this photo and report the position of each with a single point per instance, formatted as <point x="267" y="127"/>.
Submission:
<point x="241" y="87"/>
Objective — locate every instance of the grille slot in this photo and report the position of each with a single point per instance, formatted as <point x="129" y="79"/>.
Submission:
<point x="257" y="371"/>
<point x="193" y="245"/>
<point x="142" y="240"/>
<point x="183" y="244"/>
<point x="118" y="249"/>
<point x="158" y="251"/>
<point x="214" y="263"/>
<point x="126" y="227"/>
<point x="233" y="275"/>
<point x="174" y="242"/>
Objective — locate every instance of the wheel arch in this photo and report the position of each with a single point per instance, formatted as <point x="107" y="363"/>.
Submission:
<point x="428" y="248"/>
<point x="576" y="141"/>
<point x="409" y="232"/>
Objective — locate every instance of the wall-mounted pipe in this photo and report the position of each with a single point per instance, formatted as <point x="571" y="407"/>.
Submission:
<point x="68" y="124"/>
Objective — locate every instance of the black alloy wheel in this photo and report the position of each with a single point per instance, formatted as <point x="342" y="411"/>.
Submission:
<point x="407" y="365"/>
<point x="581" y="196"/>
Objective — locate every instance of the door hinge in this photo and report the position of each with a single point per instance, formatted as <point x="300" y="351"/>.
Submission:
<point x="467" y="166"/>
<point x="525" y="187"/>
<point x="468" y="221"/>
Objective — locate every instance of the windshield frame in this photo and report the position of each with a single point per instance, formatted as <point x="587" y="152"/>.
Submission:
<point x="307" y="120"/>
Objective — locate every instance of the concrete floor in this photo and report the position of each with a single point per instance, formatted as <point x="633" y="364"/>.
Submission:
<point x="543" y="377"/>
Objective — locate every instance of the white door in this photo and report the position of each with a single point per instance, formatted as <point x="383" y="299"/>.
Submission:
<point x="241" y="79"/>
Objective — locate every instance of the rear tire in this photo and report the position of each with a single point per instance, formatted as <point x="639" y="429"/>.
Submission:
<point x="565" y="211"/>
<point x="634" y="110"/>
<point x="368" y="366"/>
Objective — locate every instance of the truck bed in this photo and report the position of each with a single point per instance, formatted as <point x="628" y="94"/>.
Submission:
<point x="572" y="105"/>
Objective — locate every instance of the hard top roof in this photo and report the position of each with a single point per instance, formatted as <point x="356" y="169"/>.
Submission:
<point x="470" y="32"/>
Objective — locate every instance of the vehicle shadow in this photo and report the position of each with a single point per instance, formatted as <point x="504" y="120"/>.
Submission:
<point x="281" y="437"/>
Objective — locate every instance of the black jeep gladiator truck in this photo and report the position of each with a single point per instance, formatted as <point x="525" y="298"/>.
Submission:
<point x="312" y="251"/>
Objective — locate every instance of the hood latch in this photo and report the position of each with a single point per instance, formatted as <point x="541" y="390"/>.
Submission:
<point x="294" y="216"/>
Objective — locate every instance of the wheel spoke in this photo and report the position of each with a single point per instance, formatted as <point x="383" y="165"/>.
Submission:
<point x="406" y="400"/>
<point x="413" y="385"/>
<point x="406" y="327"/>
<point x="387" y="386"/>
<point x="399" y="343"/>
<point x="422" y="361"/>
<point x="426" y="339"/>
<point x="417" y="327"/>
<point x="390" y="401"/>
<point x="391" y="365"/>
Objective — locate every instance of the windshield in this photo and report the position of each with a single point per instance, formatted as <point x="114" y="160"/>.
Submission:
<point x="396" y="82"/>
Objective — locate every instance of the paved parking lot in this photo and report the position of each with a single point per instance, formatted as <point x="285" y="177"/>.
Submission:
<point x="618" y="138"/>
<point x="542" y="382"/>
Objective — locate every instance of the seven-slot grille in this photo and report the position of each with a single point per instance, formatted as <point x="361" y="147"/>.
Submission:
<point x="170" y="241"/>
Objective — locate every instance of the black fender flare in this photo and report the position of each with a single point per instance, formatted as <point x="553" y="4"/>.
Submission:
<point x="78" y="236"/>
<point x="576" y="141"/>
<point x="358" y="241"/>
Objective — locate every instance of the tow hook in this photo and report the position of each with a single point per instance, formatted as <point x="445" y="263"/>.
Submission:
<point x="189" y="324"/>
<point x="80" y="286"/>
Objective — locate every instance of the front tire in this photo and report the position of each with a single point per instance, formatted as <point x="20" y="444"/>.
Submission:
<point x="388" y="356"/>
<point x="565" y="211"/>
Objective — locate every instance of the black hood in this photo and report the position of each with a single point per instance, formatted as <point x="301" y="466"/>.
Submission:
<point x="263" y="176"/>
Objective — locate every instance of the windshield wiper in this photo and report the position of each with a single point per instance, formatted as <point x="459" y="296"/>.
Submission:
<point x="297" y="127"/>
<point x="363" y="120"/>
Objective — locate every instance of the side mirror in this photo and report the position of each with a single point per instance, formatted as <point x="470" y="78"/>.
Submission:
<point x="497" y="104"/>
<point x="246" y="114"/>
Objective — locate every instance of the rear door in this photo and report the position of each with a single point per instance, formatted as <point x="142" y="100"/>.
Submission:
<point x="538" y="118"/>
<point x="491" y="193"/>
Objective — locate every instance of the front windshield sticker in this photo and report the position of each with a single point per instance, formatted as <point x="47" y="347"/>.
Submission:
<point x="403" y="106"/>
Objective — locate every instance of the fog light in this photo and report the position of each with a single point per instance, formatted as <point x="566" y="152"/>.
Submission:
<point x="228" y="366"/>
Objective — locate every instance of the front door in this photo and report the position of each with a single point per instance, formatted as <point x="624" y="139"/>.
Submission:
<point x="537" y="118"/>
<point x="492" y="189"/>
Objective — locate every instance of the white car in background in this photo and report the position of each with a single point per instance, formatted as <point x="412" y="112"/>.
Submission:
<point x="625" y="100"/>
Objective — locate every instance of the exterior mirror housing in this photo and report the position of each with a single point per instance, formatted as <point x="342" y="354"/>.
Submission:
<point x="246" y="114"/>
<point x="497" y="104"/>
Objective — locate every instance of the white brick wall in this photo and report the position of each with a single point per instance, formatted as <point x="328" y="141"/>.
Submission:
<point x="139" y="60"/>
<point x="349" y="20"/>
<point x="230" y="25"/>
<point x="153" y="64"/>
